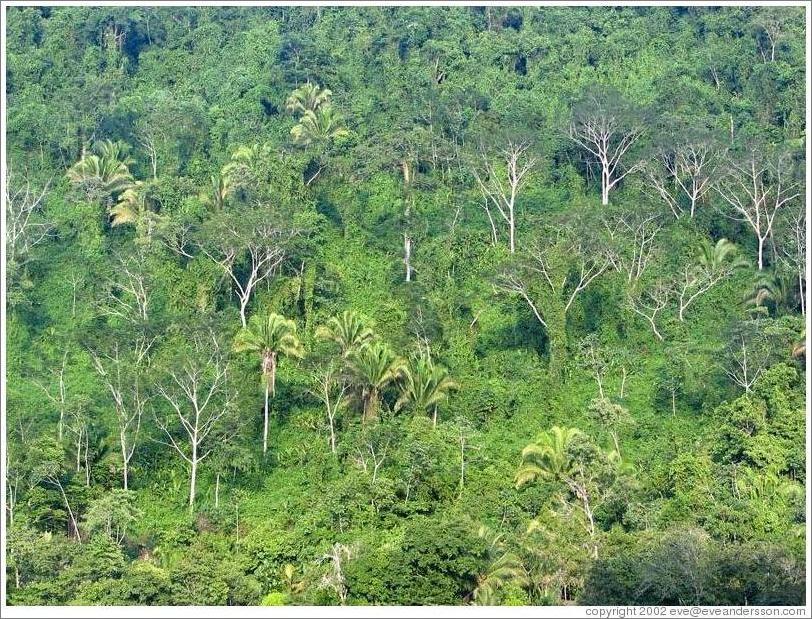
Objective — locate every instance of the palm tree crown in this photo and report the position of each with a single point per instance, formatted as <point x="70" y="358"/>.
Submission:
<point x="425" y="385"/>
<point x="319" y="126"/>
<point x="269" y="336"/>
<point x="374" y="366"/>
<point x="713" y="256"/>
<point x="347" y="330"/>
<point x="104" y="173"/>
<point x="548" y="456"/>
<point x="307" y="97"/>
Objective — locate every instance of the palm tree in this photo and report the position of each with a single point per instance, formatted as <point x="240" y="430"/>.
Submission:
<point x="714" y="256"/>
<point x="374" y="366"/>
<point x="548" y="456"/>
<point x="218" y="190"/>
<point x="318" y="127"/>
<point x="307" y="98"/>
<point x="269" y="336"/>
<point x="134" y="206"/>
<point x="104" y="173"/>
<point x="775" y="288"/>
<point x="347" y="330"/>
<point x="425" y="385"/>
<point x="244" y="171"/>
<point x="504" y="568"/>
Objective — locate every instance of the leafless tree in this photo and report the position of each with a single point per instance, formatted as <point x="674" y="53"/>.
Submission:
<point x="121" y="375"/>
<point x="746" y="360"/>
<point x="633" y="235"/>
<point x="500" y="180"/>
<point x="648" y="302"/>
<point x="146" y="136"/>
<point x="605" y="128"/>
<point x="58" y="395"/>
<point x="756" y="188"/>
<point x="78" y="425"/>
<point x="335" y="578"/>
<point x="692" y="283"/>
<point x="25" y="225"/>
<point x="687" y="169"/>
<point x="128" y="290"/>
<point x="260" y="250"/>
<point x="793" y="250"/>
<point x="332" y="390"/>
<point x="198" y="394"/>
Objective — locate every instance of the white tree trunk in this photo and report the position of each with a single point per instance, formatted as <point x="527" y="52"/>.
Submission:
<point x="265" y="428"/>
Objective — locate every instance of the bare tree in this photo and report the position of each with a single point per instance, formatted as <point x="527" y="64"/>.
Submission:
<point x="553" y="273"/>
<point x="25" y="225"/>
<point x="756" y="188"/>
<point x="122" y="376"/>
<point x="147" y="137"/>
<point x="501" y="179"/>
<point x="79" y="426"/>
<point x="607" y="129"/>
<point x="128" y="290"/>
<point x="247" y="256"/>
<point x="793" y="250"/>
<point x="199" y="396"/>
<point x="648" y="302"/>
<point x="748" y="355"/>
<point x="335" y="578"/>
<point x="332" y="390"/>
<point x="693" y="282"/>
<point x="687" y="169"/>
<point x="714" y="263"/>
<point x="58" y="395"/>
<point x="769" y="32"/>
<point x="633" y="235"/>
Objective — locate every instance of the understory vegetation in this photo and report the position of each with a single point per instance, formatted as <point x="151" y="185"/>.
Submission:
<point x="469" y="305"/>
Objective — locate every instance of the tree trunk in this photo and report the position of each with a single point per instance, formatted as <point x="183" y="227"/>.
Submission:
<point x="124" y="459"/>
<point x="193" y="477"/>
<point x="512" y="226"/>
<point x="265" y="425"/>
<point x="407" y="256"/>
<point x="605" y="186"/>
<point x="434" y="417"/>
<point x="243" y="305"/>
<point x="761" y="252"/>
<point x="623" y="382"/>
<point x="217" y="491"/>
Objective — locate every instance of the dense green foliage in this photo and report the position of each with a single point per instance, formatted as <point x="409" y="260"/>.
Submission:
<point x="321" y="306"/>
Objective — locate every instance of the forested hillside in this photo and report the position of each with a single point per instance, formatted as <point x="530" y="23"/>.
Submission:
<point x="405" y="305"/>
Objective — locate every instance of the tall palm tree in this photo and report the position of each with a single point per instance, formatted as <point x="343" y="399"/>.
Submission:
<point x="374" y="366"/>
<point x="104" y="173"/>
<point x="548" y="456"/>
<point x="307" y="97"/>
<point x="347" y="330"/>
<point x="425" y="385"/>
<point x="318" y="127"/>
<point x="269" y="337"/>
